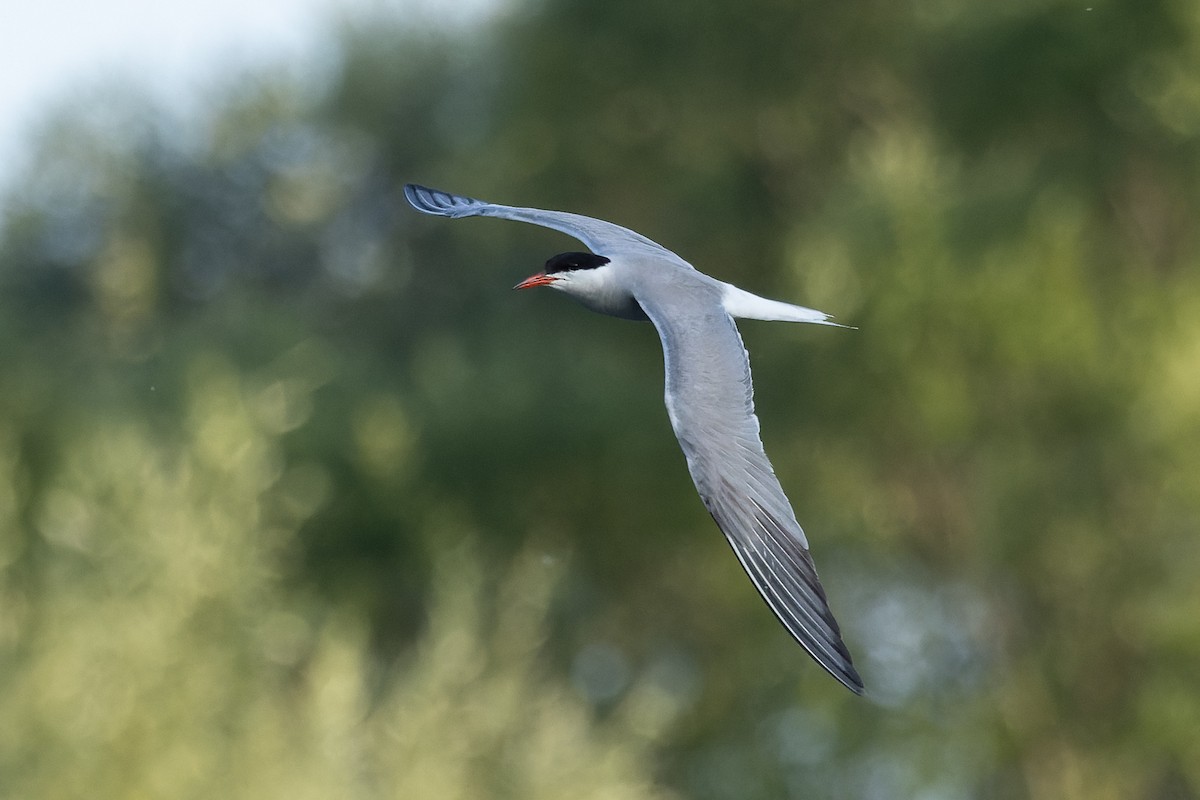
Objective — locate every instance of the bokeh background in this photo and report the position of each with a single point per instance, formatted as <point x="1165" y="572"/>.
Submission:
<point x="298" y="500"/>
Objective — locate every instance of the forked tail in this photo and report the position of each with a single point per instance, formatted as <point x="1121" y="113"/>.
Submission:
<point x="741" y="304"/>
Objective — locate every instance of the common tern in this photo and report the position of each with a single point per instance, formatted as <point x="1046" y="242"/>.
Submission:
<point x="709" y="396"/>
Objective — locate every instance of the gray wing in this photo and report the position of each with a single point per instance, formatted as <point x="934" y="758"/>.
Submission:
<point x="599" y="236"/>
<point x="710" y="402"/>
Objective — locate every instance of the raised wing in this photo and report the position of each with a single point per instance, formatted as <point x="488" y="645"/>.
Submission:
<point x="710" y="402"/>
<point x="599" y="236"/>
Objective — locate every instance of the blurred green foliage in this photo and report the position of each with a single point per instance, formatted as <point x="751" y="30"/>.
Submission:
<point x="297" y="500"/>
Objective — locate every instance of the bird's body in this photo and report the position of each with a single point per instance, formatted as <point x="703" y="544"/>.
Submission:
<point x="709" y="397"/>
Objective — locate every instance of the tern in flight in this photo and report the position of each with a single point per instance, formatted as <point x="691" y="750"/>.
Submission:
<point x="709" y="396"/>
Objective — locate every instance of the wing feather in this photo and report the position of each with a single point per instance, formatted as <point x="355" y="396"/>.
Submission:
<point x="599" y="236"/>
<point x="709" y="398"/>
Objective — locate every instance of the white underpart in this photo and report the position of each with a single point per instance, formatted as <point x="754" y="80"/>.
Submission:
<point x="744" y="305"/>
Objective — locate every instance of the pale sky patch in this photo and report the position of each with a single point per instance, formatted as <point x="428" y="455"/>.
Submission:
<point x="172" y="48"/>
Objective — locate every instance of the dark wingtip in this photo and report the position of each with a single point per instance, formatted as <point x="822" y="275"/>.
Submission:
<point x="439" y="203"/>
<point x="778" y="568"/>
<point x="851" y="680"/>
<point x="841" y="668"/>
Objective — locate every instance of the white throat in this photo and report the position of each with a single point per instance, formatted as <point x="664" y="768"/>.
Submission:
<point x="601" y="290"/>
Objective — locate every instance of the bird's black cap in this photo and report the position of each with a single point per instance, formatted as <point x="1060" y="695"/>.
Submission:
<point x="568" y="262"/>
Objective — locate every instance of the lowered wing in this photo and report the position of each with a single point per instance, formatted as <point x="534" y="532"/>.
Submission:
<point x="709" y="399"/>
